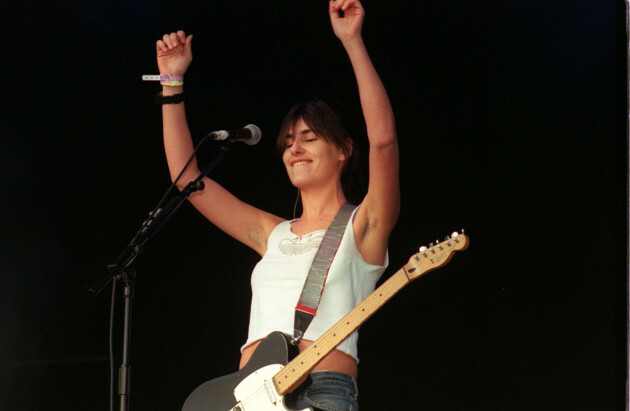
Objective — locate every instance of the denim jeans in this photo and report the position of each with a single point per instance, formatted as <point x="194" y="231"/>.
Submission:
<point x="330" y="391"/>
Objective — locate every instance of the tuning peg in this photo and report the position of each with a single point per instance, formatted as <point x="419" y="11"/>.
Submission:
<point x="448" y="237"/>
<point x="431" y="244"/>
<point x="423" y="248"/>
<point x="455" y="234"/>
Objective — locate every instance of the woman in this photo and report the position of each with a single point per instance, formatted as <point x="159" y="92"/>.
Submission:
<point x="315" y="154"/>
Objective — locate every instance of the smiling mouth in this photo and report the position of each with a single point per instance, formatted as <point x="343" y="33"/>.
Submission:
<point x="299" y="163"/>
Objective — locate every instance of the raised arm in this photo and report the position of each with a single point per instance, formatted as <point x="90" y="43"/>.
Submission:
<point x="380" y="207"/>
<point x="245" y="223"/>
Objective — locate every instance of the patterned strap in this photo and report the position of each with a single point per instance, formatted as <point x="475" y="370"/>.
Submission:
<point x="316" y="279"/>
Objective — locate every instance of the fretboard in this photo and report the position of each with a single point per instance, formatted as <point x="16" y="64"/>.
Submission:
<point x="289" y="378"/>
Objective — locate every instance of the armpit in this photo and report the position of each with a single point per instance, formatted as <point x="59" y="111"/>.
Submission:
<point x="258" y="240"/>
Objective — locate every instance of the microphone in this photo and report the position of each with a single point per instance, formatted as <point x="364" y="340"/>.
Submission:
<point x="250" y="135"/>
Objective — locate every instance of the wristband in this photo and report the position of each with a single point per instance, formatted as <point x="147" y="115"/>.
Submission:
<point x="165" y="79"/>
<point x="174" y="99"/>
<point x="173" y="81"/>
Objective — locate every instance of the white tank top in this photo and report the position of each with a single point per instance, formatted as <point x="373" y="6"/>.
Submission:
<point x="278" y="279"/>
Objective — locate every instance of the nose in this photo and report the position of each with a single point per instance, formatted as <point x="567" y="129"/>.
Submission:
<point x="296" y="147"/>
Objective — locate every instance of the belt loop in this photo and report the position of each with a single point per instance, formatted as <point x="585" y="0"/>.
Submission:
<point x="356" y="388"/>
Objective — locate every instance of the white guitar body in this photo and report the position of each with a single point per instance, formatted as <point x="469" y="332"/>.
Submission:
<point x="266" y="378"/>
<point x="249" y="389"/>
<point x="257" y="392"/>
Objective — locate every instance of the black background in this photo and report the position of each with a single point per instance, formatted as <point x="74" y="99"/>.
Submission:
<point x="511" y="119"/>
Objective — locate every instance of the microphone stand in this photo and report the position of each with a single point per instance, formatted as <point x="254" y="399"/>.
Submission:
<point x="123" y="267"/>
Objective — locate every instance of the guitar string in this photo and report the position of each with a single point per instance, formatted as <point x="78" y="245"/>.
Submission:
<point x="330" y="339"/>
<point x="364" y="310"/>
<point x="255" y="396"/>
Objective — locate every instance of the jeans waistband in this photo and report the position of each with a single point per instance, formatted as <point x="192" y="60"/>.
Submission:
<point x="323" y="376"/>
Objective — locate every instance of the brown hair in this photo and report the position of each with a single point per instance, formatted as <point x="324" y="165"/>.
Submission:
<point x="323" y="120"/>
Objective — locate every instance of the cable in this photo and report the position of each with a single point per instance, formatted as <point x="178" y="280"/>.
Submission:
<point x="111" y="346"/>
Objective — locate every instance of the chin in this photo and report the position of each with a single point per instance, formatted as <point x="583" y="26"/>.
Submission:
<point x="299" y="182"/>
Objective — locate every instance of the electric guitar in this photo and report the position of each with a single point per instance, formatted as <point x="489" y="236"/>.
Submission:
<point x="263" y="383"/>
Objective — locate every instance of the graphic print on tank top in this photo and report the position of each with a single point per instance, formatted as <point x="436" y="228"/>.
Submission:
<point x="301" y="245"/>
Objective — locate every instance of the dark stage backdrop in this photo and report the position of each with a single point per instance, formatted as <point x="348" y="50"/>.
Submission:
<point x="511" y="118"/>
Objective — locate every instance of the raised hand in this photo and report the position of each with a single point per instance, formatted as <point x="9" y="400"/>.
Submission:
<point x="349" y="26"/>
<point x="174" y="53"/>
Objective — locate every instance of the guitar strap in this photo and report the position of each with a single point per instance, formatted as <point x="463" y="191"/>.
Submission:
<point x="316" y="279"/>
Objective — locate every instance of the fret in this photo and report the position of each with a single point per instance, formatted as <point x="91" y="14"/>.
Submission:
<point x="249" y="390"/>
<point x="287" y="379"/>
<point x="291" y="375"/>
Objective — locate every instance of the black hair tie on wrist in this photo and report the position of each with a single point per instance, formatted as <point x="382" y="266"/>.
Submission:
<point x="174" y="99"/>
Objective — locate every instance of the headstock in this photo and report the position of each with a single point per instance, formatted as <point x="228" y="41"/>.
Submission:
<point x="435" y="256"/>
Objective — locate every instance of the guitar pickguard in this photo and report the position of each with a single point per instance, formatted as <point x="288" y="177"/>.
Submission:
<point x="257" y="392"/>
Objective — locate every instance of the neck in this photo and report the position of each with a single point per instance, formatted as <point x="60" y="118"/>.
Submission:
<point x="321" y="204"/>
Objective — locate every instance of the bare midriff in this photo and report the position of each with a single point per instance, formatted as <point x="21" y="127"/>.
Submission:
<point x="336" y="360"/>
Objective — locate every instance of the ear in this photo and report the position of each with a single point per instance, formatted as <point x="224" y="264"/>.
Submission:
<point x="342" y="156"/>
<point x="347" y="153"/>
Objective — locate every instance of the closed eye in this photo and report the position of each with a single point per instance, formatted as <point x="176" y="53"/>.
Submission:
<point x="288" y="143"/>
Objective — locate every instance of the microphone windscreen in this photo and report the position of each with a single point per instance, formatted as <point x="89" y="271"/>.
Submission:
<point x="256" y="134"/>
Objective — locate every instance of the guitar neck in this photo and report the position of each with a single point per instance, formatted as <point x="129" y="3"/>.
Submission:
<point x="428" y="259"/>
<point x="292" y="375"/>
